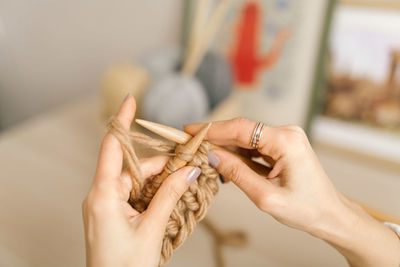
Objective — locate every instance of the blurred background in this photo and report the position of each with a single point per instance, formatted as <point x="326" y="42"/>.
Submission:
<point x="329" y="66"/>
<point x="53" y="53"/>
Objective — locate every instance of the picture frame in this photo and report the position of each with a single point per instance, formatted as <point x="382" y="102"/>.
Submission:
<point x="336" y="120"/>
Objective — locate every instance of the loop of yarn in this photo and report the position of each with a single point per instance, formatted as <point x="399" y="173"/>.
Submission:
<point x="194" y="203"/>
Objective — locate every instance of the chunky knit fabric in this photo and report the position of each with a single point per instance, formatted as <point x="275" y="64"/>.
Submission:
<point x="194" y="203"/>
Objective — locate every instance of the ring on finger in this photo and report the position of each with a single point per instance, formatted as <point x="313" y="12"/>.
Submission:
<point x="256" y="136"/>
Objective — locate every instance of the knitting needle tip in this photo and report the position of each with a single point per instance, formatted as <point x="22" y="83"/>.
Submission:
<point x="175" y="135"/>
<point x="194" y="143"/>
<point x="169" y="133"/>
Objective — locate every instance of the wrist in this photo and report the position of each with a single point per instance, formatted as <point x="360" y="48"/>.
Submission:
<point x="338" y="223"/>
<point x="362" y="240"/>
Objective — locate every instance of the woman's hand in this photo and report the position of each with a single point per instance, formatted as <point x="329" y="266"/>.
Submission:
<point x="303" y="192"/>
<point x="115" y="233"/>
<point x="298" y="193"/>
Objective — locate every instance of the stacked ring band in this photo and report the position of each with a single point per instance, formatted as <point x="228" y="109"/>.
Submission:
<point x="256" y="136"/>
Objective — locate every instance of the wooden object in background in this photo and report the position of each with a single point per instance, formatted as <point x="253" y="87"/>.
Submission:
<point x="178" y="99"/>
<point x="197" y="52"/>
<point x="377" y="214"/>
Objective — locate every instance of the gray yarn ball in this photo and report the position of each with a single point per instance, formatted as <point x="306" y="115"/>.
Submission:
<point x="175" y="100"/>
<point x="215" y="74"/>
<point x="161" y="61"/>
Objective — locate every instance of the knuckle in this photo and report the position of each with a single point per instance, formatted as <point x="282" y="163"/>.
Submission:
<point x="84" y="205"/>
<point x="296" y="129"/>
<point x="98" y="210"/>
<point x="238" y="123"/>
<point x="295" y="135"/>
<point x="95" y="206"/>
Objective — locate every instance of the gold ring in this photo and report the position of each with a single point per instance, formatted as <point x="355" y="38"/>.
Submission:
<point x="256" y="136"/>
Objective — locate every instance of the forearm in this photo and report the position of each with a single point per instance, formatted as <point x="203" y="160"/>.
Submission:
<point x="362" y="240"/>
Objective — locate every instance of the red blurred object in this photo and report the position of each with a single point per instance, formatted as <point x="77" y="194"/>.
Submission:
<point x="245" y="59"/>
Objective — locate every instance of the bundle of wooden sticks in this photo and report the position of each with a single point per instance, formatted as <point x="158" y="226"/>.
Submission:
<point x="202" y="33"/>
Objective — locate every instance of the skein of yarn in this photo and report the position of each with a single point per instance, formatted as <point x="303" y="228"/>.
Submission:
<point x="118" y="81"/>
<point x="216" y="76"/>
<point x="161" y="61"/>
<point x="214" y="73"/>
<point x="175" y="100"/>
<point x="178" y="99"/>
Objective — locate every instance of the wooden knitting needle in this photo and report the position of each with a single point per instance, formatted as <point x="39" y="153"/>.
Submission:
<point x="181" y="137"/>
<point x="377" y="214"/>
<point x="191" y="146"/>
<point x="197" y="52"/>
<point x="200" y="18"/>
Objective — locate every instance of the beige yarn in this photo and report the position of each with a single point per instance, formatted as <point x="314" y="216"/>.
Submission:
<point x="192" y="206"/>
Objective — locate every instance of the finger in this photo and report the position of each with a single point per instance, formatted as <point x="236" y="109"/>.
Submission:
<point x="256" y="187"/>
<point x="237" y="132"/>
<point x="149" y="166"/>
<point x="170" y="191"/>
<point x="249" y="153"/>
<point x="153" y="166"/>
<point x="111" y="157"/>
<point x="274" y="142"/>
<point x="269" y="160"/>
<point x="253" y="153"/>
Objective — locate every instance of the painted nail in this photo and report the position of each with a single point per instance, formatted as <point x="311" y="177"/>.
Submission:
<point x="213" y="160"/>
<point x="193" y="175"/>
<point x="126" y="97"/>
<point x="221" y="179"/>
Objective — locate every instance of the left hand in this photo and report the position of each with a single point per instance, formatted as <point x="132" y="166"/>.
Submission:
<point x="298" y="193"/>
<point x="115" y="233"/>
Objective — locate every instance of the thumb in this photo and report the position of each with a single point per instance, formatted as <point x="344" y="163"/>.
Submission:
<point x="256" y="187"/>
<point x="170" y="191"/>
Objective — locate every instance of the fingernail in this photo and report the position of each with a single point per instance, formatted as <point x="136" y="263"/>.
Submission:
<point x="126" y="97"/>
<point x="193" y="175"/>
<point x="213" y="160"/>
<point x="221" y="179"/>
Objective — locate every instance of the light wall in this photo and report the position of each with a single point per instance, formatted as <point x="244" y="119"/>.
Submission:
<point x="55" y="51"/>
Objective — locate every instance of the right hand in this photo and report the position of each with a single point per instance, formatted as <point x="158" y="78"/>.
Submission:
<point x="115" y="233"/>
<point x="297" y="191"/>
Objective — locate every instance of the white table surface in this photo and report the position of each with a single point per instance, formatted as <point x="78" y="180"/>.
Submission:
<point x="47" y="165"/>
